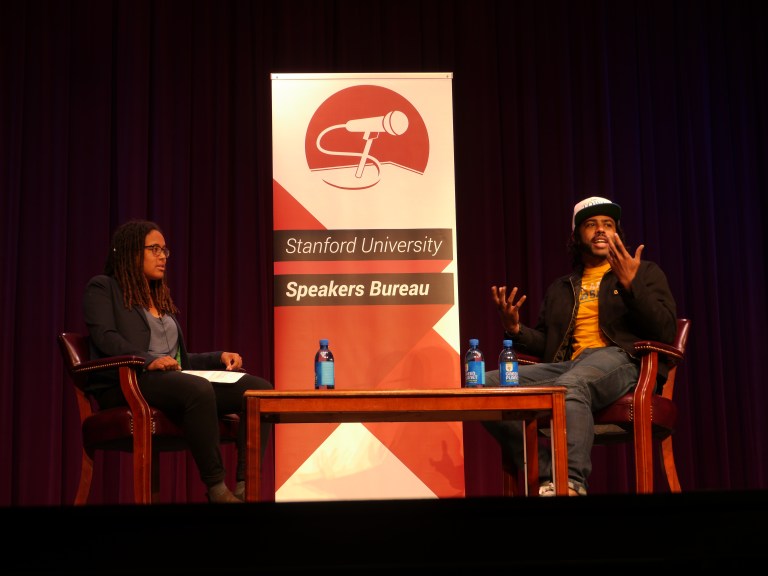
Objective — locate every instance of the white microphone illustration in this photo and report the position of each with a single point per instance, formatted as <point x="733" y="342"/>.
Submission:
<point x="394" y="123"/>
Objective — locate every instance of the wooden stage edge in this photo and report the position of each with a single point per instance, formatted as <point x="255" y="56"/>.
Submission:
<point x="703" y="529"/>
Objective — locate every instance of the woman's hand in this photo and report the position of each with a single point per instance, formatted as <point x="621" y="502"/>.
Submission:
<point x="232" y="360"/>
<point x="164" y="363"/>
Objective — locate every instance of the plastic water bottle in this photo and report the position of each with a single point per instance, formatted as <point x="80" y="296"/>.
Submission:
<point x="474" y="365"/>
<point x="324" y="375"/>
<point x="508" y="375"/>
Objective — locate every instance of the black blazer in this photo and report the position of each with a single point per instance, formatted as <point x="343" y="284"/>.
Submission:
<point x="117" y="331"/>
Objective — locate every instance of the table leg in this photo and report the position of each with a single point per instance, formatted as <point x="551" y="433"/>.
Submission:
<point x="559" y="446"/>
<point x="253" y="449"/>
<point x="531" y="456"/>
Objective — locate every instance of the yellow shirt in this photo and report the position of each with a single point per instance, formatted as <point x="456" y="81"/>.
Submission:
<point x="587" y="333"/>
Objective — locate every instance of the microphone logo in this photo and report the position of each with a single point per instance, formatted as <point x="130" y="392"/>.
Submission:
<point x="393" y="123"/>
<point x="365" y="134"/>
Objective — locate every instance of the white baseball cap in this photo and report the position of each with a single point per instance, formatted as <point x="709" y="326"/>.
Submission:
<point x="593" y="206"/>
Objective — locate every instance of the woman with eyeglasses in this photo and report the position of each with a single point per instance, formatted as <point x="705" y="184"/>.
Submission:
<point x="129" y="311"/>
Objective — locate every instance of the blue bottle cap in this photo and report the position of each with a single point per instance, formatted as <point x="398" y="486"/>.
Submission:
<point x="507" y="343"/>
<point x="474" y="341"/>
<point x="323" y="342"/>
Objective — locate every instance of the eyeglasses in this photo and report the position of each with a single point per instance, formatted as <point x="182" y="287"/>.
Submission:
<point x="157" y="250"/>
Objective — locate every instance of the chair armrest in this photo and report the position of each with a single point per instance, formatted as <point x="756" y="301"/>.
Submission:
<point x="644" y="347"/>
<point x="127" y="367"/>
<point x="527" y="359"/>
<point x="108" y="363"/>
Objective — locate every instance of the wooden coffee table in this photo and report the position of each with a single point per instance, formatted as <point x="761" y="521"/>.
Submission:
<point x="528" y="404"/>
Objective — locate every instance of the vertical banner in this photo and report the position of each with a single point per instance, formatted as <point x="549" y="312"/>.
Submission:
<point x="365" y="256"/>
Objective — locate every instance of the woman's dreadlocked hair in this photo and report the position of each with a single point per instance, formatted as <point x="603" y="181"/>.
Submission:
<point x="126" y="263"/>
<point x="576" y="248"/>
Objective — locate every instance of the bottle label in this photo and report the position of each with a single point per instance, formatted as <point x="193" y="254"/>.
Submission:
<point x="324" y="379"/>
<point x="474" y="373"/>
<point x="508" y="375"/>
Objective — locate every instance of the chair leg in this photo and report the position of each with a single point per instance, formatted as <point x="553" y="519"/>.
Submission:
<point x="86" y="475"/>
<point x="142" y="466"/>
<point x="142" y="478"/>
<point x="643" y="441"/>
<point x="509" y="478"/>
<point x="668" y="464"/>
<point x="155" y="477"/>
<point x="643" y="459"/>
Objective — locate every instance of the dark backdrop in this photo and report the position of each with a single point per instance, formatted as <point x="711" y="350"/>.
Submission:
<point x="161" y="109"/>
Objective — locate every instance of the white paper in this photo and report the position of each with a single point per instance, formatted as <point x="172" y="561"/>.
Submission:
<point x="220" y="376"/>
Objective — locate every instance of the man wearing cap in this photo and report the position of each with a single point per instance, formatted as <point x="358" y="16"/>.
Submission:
<point x="587" y="325"/>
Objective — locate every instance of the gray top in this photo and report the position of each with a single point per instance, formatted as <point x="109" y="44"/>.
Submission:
<point x="165" y="335"/>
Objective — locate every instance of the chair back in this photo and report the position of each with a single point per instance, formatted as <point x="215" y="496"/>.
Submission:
<point x="681" y="340"/>
<point x="75" y="350"/>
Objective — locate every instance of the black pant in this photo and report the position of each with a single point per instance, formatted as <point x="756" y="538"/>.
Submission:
<point x="197" y="405"/>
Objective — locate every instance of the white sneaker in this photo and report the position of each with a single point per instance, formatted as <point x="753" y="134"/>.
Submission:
<point x="548" y="489"/>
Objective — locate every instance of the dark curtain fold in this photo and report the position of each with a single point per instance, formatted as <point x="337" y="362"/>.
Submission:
<point x="162" y="109"/>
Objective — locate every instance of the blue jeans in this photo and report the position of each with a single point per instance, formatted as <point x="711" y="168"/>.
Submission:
<point x="596" y="378"/>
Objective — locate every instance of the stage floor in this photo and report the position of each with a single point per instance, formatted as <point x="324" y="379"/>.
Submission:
<point x="481" y="535"/>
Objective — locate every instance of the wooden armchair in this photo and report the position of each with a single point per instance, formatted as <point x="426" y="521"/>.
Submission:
<point x="640" y="417"/>
<point x="138" y="428"/>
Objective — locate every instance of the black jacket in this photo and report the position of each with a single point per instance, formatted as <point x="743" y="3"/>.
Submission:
<point x="648" y="312"/>
<point x="117" y="331"/>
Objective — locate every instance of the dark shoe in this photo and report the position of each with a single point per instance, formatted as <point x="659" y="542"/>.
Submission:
<point x="223" y="497"/>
